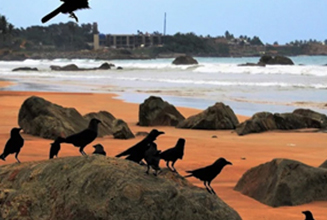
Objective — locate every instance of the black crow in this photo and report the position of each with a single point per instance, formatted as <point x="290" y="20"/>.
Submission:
<point x="207" y="174"/>
<point x="136" y="152"/>
<point x="152" y="158"/>
<point x="308" y="215"/>
<point x="173" y="154"/>
<point x="55" y="147"/>
<point x="69" y="6"/>
<point x="84" y="137"/>
<point x="99" y="150"/>
<point x="13" y="145"/>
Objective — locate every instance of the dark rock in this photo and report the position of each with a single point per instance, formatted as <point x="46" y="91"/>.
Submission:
<point x="185" y="60"/>
<point x="314" y="116"/>
<point x="70" y="67"/>
<point x="93" y="187"/>
<point x="277" y="60"/>
<point x="25" y="69"/>
<point x="121" y="130"/>
<point x="218" y="116"/>
<point x="154" y="111"/>
<point x="266" y="121"/>
<point x="284" y="182"/>
<point x="55" y="67"/>
<point x="42" y="118"/>
<point x="324" y="164"/>
<point x="106" y="66"/>
<point x="119" y="68"/>
<point x="253" y="64"/>
<point x="214" y="136"/>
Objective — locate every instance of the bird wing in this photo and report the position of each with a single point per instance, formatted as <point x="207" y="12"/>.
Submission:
<point x="52" y="14"/>
<point x="167" y="154"/>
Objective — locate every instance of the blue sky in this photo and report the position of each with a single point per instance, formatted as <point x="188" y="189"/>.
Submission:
<point x="275" y="20"/>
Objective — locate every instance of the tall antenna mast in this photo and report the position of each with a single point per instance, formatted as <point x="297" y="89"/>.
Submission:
<point x="164" y="32"/>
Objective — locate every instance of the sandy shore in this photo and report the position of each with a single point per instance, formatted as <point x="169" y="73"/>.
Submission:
<point x="201" y="149"/>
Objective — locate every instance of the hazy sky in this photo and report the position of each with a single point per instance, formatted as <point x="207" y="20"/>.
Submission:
<point x="273" y="20"/>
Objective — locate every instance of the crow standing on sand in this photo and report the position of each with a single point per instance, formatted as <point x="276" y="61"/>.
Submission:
<point x="55" y="147"/>
<point x="152" y="158"/>
<point x="207" y="174"/>
<point x="136" y="152"/>
<point x="308" y="215"/>
<point x="84" y="137"/>
<point x="173" y="154"/>
<point x="13" y="145"/>
<point x="99" y="150"/>
<point x="69" y="6"/>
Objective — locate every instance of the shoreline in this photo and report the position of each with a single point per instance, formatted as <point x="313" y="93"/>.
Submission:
<point x="201" y="149"/>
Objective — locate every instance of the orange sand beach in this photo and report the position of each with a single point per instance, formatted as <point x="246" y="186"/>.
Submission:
<point x="200" y="150"/>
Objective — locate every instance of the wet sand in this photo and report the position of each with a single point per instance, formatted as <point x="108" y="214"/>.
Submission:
<point x="201" y="149"/>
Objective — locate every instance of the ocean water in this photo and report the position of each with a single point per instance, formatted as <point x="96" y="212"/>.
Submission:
<point x="246" y="89"/>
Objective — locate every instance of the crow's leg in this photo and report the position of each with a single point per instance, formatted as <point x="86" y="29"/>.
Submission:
<point x="16" y="156"/>
<point x="172" y="165"/>
<point x="81" y="149"/>
<point x="205" y="184"/>
<point x="72" y="15"/>
<point x="213" y="191"/>
<point x="167" y="164"/>
<point x="147" y="171"/>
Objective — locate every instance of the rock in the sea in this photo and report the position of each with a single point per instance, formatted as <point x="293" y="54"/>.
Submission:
<point x="266" y="121"/>
<point x="216" y="117"/>
<point x="42" y="118"/>
<point x="155" y="112"/>
<point x="277" y="60"/>
<point x="98" y="187"/>
<point x="185" y="60"/>
<point x="106" y="66"/>
<point x="253" y="64"/>
<point x="284" y="182"/>
<point x="73" y="67"/>
<point x="25" y="69"/>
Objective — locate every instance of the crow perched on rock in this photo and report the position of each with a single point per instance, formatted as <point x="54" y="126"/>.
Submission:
<point x="13" y="145"/>
<point x="207" y="174"/>
<point x="173" y="154"/>
<point x="136" y="152"/>
<point x="308" y="215"/>
<point x="55" y="147"/>
<point x="99" y="150"/>
<point x="84" y="137"/>
<point x="152" y="158"/>
<point x="69" y="6"/>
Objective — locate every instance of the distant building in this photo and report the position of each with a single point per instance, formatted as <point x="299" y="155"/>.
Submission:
<point x="126" y="40"/>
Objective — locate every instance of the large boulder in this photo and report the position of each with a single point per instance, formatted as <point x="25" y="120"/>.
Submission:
<point x="185" y="60"/>
<point x="156" y="112"/>
<point x="324" y="164"/>
<point x="218" y="116"/>
<point x="266" y="121"/>
<point x="277" y="60"/>
<point x="284" y="182"/>
<point x="42" y="118"/>
<point x="98" y="187"/>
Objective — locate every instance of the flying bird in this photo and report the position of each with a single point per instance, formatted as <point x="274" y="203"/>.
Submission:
<point x="99" y="150"/>
<point x="55" y="147"/>
<point x="152" y="158"/>
<point x="69" y="6"/>
<point x="208" y="173"/>
<point x="13" y="145"/>
<point x="173" y="154"/>
<point x="308" y="215"/>
<point x="84" y="137"/>
<point x="136" y="152"/>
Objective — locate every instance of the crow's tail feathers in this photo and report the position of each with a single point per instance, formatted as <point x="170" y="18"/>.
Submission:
<point x="191" y="174"/>
<point x="2" y="157"/>
<point x="51" y="15"/>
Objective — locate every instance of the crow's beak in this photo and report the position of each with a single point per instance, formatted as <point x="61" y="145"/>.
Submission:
<point x="227" y="162"/>
<point x="20" y="129"/>
<point x="161" y="132"/>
